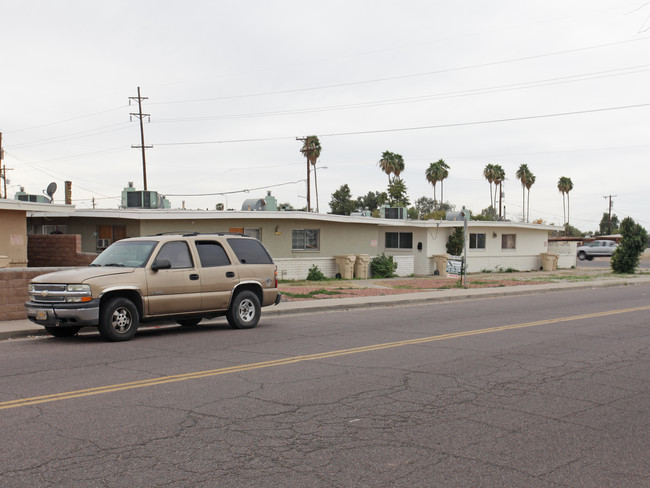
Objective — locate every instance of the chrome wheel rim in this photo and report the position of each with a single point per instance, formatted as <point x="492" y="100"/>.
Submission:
<point x="246" y="310"/>
<point x="121" y="320"/>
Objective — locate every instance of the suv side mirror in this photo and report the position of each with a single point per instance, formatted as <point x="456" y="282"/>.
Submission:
<point x="161" y="264"/>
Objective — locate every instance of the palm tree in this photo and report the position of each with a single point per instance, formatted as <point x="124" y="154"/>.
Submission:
<point x="530" y="181"/>
<point x="387" y="163"/>
<point x="488" y="174"/>
<point x="499" y="178"/>
<point x="443" y="172"/>
<point x="436" y="172"/>
<point x="432" y="177"/>
<point x="565" y="185"/>
<point x="522" y="176"/>
<point x="569" y="187"/>
<point x="311" y="150"/>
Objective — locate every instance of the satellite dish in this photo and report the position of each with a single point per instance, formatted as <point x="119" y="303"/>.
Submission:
<point x="51" y="188"/>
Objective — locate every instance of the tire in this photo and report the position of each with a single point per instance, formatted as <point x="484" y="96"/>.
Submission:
<point x="189" y="322"/>
<point x="590" y="258"/>
<point x="245" y="310"/>
<point x="118" y="320"/>
<point x="582" y="255"/>
<point x="62" y="331"/>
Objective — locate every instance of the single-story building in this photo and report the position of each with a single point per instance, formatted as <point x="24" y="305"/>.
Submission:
<point x="13" y="229"/>
<point x="300" y="240"/>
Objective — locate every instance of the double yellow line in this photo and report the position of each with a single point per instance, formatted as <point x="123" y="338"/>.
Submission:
<point x="23" y="402"/>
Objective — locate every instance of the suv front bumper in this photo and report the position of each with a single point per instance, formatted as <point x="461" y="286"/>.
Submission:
<point x="63" y="314"/>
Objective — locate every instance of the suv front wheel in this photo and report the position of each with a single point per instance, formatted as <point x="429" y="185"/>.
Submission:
<point x="244" y="311"/>
<point x="118" y="320"/>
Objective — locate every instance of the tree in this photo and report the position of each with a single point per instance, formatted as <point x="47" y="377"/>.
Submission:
<point x="486" y="214"/>
<point x="437" y="172"/>
<point x="342" y="203"/>
<point x="488" y="174"/>
<point x="444" y="172"/>
<point x="608" y="225"/>
<point x="424" y="206"/>
<point x="530" y="181"/>
<point x="311" y="150"/>
<point x="431" y="175"/>
<point x="456" y="242"/>
<point x="626" y="257"/>
<point x="499" y="178"/>
<point x="397" y="193"/>
<point x="565" y="185"/>
<point x="522" y="175"/>
<point x="372" y="200"/>
<point x="391" y="163"/>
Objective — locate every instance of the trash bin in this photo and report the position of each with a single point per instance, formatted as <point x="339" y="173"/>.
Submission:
<point x="441" y="264"/>
<point x="361" y="266"/>
<point x="549" y="261"/>
<point x="345" y="263"/>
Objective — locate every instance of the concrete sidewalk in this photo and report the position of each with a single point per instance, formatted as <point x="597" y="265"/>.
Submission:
<point x="15" y="329"/>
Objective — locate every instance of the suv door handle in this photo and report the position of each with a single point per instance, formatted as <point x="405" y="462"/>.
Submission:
<point x="230" y="274"/>
<point x="194" y="276"/>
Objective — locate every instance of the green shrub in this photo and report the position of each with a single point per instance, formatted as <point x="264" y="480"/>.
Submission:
<point x="456" y="242"/>
<point x="627" y="255"/>
<point x="383" y="266"/>
<point x="315" y="274"/>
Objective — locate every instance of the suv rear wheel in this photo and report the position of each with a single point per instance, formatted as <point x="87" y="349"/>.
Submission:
<point x="244" y="311"/>
<point x="118" y="320"/>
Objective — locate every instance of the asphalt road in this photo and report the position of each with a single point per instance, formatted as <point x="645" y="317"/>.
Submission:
<point x="549" y="390"/>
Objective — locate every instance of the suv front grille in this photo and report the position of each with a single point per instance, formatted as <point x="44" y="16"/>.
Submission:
<point x="48" y="293"/>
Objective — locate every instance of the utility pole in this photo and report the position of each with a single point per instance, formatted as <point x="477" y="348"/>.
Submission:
<point x="140" y="115"/>
<point x="303" y="140"/>
<point x="609" y="220"/>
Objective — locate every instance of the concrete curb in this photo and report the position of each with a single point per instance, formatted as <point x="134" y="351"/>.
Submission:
<point x="17" y="329"/>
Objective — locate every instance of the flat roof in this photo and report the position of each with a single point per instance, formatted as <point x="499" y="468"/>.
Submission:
<point x="19" y="205"/>
<point x="180" y="214"/>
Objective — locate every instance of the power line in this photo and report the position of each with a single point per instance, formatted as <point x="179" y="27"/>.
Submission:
<point x="411" y="75"/>
<point x="439" y="96"/>
<point x="424" y="127"/>
<point x="247" y="190"/>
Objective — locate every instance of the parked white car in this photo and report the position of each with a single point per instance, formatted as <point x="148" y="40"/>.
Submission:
<point x="595" y="249"/>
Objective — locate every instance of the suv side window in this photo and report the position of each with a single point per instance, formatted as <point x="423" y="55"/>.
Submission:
<point x="211" y="254"/>
<point x="250" y="251"/>
<point x="178" y="254"/>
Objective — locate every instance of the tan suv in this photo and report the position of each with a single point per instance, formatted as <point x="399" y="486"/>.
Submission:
<point x="181" y="277"/>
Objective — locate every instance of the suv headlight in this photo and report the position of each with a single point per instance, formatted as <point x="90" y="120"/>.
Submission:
<point x="78" y="293"/>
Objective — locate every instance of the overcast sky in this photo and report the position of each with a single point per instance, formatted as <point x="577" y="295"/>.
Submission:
<point x="562" y="86"/>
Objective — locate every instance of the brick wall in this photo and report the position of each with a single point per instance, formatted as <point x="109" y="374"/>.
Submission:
<point x="13" y="290"/>
<point x="45" y="250"/>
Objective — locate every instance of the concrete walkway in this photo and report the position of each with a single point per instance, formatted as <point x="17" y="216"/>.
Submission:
<point x="15" y="329"/>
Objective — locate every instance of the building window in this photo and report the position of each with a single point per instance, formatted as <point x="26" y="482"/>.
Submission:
<point x="256" y="233"/>
<point x="305" y="240"/>
<point x="399" y="240"/>
<point x="477" y="241"/>
<point x="509" y="241"/>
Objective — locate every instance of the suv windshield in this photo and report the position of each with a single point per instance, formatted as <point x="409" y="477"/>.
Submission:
<point x="133" y="254"/>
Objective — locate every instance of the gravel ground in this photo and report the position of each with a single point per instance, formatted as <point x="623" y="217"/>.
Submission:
<point x="306" y="290"/>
